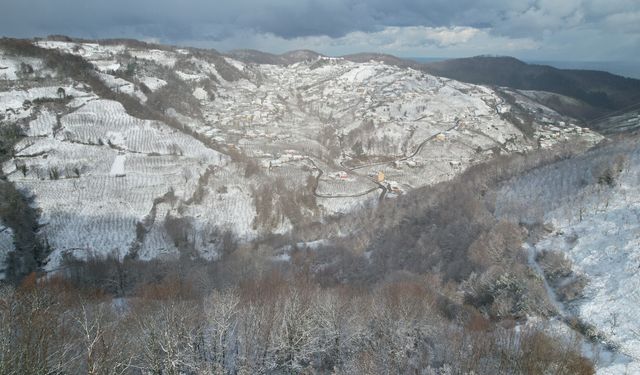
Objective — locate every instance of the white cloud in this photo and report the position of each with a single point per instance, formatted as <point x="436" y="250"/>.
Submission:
<point x="404" y="41"/>
<point x="625" y="22"/>
<point x="410" y="37"/>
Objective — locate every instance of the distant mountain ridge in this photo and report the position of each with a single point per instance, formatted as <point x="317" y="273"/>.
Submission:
<point x="587" y="95"/>
<point x="600" y="90"/>
<point x="629" y="69"/>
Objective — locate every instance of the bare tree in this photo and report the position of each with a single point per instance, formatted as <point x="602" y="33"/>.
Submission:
<point x="221" y="316"/>
<point x="168" y="333"/>
<point x="102" y="339"/>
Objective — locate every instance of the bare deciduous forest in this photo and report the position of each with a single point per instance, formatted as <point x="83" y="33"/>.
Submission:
<point x="434" y="283"/>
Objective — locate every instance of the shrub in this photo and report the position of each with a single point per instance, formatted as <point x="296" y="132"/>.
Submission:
<point x="573" y="289"/>
<point x="23" y="168"/>
<point x="25" y="69"/>
<point x="555" y="265"/>
<point x="251" y="168"/>
<point x="54" y="173"/>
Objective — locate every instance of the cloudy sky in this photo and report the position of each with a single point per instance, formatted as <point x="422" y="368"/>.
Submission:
<point x="578" y="30"/>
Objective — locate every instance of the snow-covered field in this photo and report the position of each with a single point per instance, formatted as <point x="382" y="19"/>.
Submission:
<point x="97" y="176"/>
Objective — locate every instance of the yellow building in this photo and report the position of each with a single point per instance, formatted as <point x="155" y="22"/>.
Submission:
<point x="380" y="176"/>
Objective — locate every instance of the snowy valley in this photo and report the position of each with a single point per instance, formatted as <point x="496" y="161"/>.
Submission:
<point x="488" y="210"/>
<point x="337" y="134"/>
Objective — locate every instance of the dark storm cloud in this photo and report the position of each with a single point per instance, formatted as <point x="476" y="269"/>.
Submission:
<point x="285" y="18"/>
<point x="553" y="24"/>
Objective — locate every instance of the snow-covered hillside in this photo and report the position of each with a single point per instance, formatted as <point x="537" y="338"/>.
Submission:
<point x="167" y="150"/>
<point x="97" y="175"/>
<point x="593" y="204"/>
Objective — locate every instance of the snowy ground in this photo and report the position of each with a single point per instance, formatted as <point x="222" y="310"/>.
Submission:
<point x="598" y="227"/>
<point x="98" y="173"/>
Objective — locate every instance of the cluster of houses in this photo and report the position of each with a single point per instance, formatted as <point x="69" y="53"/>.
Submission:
<point x="554" y="133"/>
<point x="287" y="157"/>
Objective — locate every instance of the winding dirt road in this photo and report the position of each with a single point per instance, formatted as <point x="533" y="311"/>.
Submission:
<point x="379" y="184"/>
